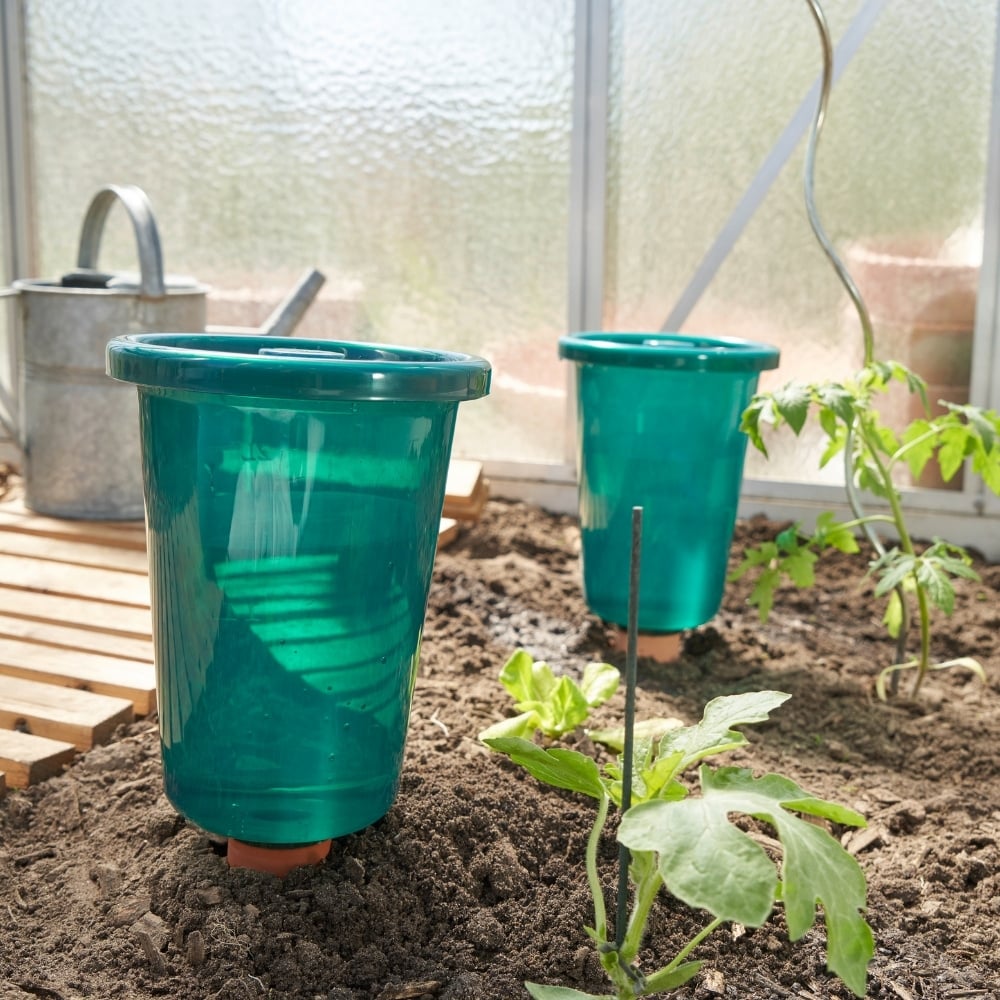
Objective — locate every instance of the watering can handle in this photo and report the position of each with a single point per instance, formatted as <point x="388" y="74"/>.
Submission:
<point x="147" y="237"/>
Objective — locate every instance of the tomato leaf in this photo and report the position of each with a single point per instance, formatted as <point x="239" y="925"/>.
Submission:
<point x="893" y="617"/>
<point x="799" y="566"/>
<point x="830" y="532"/>
<point x="920" y="438"/>
<point x="836" y="400"/>
<point x="760" y="411"/>
<point x="792" y="403"/>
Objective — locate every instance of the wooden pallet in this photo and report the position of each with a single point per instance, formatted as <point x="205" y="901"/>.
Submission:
<point x="76" y="650"/>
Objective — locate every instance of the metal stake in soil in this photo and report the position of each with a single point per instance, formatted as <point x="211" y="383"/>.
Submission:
<point x="621" y="915"/>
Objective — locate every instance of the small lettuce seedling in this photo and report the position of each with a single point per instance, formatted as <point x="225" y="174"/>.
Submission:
<point x="689" y="845"/>
<point x="549" y="704"/>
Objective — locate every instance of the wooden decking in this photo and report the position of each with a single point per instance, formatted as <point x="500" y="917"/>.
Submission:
<point x="76" y="651"/>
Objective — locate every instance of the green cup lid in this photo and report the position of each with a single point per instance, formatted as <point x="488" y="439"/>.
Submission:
<point x="295" y="368"/>
<point x="672" y="351"/>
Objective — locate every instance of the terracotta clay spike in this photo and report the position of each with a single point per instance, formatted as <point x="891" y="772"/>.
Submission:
<point x="275" y="860"/>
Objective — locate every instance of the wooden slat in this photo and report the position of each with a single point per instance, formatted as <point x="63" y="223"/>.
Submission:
<point x="466" y="491"/>
<point x="448" y="531"/>
<point x="61" y="713"/>
<point x="78" y="612"/>
<point x="74" y="581"/>
<point x="97" y="556"/>
<point x="3" y="784"/>
<point x="54" y="633"/>
<point x="14" y="516"/>
<point x="28" y="759"/>
<point x="101" y="674"/>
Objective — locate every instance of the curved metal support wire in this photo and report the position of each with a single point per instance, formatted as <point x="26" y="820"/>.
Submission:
<point x="810" y="170"/>
<point x="855" y="295"/>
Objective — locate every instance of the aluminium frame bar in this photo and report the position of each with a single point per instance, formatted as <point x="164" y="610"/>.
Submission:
<point x="588" y="183"/>
<point x="17" y="238"/>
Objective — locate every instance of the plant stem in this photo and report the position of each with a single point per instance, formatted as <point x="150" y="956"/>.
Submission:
<point x="904" y="448"/>
<point x="694" y="942"/>
<point x="891" y="493"/>
<point x="860" y="522"/>
<point x="645" y="894"/>
<point x="875" y="542"/>
<point x="906" y="544"/>
<point x="593" y="878"/>
<point x="924" y="665"/>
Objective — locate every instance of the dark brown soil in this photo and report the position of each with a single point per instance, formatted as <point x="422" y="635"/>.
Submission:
<point x="474" y="881"/>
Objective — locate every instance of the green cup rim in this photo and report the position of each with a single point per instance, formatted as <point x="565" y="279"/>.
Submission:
<point x="295" y="368"/>
<point x="670" y="351"/>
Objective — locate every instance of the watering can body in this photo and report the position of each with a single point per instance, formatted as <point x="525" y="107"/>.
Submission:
<point x="78" y="429"/>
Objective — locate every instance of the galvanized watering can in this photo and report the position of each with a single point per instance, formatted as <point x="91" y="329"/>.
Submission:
<point x="79" y="429"/>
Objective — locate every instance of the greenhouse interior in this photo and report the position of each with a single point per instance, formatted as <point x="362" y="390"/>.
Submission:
<point x="407" y="404"/>
<point x="486" y="178"/>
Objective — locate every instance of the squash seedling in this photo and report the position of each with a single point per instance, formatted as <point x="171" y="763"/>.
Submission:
<point x="689" y="845"/>
<point x="849" y="417"/>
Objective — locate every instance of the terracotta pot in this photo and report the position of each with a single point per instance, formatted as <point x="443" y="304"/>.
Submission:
<point x="923" y="309"/>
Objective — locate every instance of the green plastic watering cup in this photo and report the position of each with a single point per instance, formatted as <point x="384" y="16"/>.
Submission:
<point x="293" y="494"/>
<point x="658" y="427"/>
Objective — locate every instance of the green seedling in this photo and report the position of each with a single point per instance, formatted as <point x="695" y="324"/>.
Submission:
<point x="688" y="845"/>
<point x="872" y="452"/>
<point x="908" y="576"/>
<point x="549" y="704"/>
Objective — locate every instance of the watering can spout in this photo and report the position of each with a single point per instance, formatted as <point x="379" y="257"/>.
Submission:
<point x="290" y="311"/>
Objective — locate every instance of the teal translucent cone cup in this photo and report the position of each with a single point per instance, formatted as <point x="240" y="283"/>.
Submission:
<point x="658" y="421"/>
<point x="293" y="494"/>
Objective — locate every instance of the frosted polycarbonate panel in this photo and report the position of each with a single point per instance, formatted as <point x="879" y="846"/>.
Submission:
<point x="414" y="151"/>
<point x="701" y="92"/>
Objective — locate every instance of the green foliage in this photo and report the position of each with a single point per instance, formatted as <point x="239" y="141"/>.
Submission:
<point x="553" y="705"/>
<point x="690" y="845"/>
<point x="850" y="419"/>
<point x="693" y="836"/>
<point x="931" y="571"/>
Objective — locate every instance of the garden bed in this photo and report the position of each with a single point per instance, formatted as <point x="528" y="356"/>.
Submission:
<point x="474" y="881"/>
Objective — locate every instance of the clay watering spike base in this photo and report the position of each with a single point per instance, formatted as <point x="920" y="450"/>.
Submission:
<point x="664" y="647"/>
<point x="275" y="860"/>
